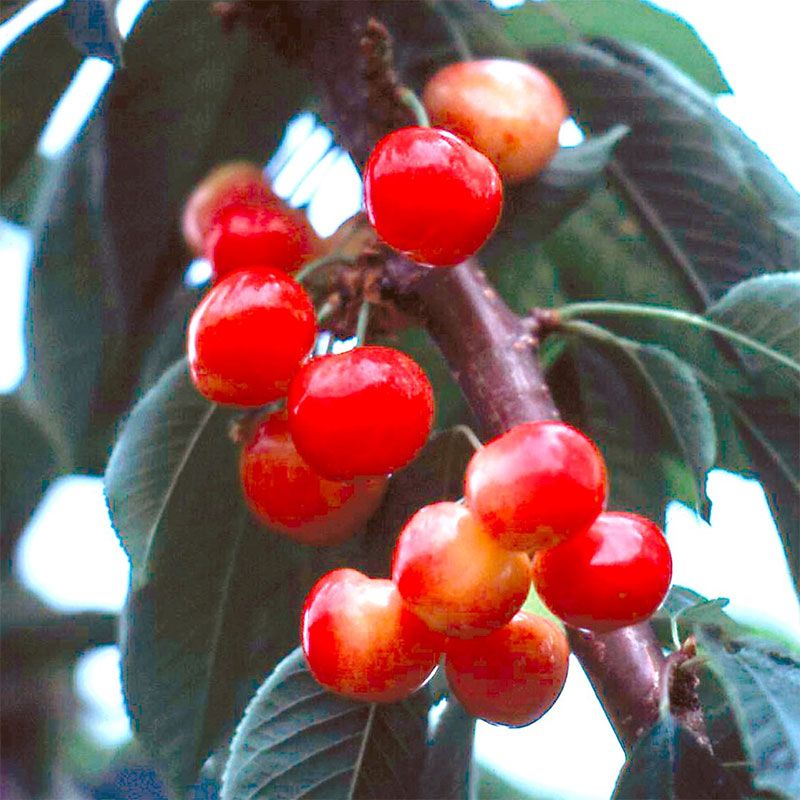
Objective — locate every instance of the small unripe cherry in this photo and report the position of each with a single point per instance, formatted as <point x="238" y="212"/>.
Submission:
<point x="536" y="484"/>
<point x="271" y="236"/>
<point x="431" y="196"/>
<point x="454" y="576"/>
<point x="360" y="641"/>
<point x="513" y="675"/>
<point x="291" y="498"/>
<point x="615" y="573"/>
<point x="227" y="184"/>
<point x="509" y="111"/>
<point x="248" y="337"/>
<point x="364" y="412"/>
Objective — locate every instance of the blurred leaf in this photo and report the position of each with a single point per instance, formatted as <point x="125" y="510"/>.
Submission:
<point x="93" y="27"/>
<point x="449" y="772"/>
<point x="667" y="763"/>
<point x="687" y="608"/>
<point x="35" y="71"/>
<point x="763" y="682"/>
<point x="296" y="739"/>
<point x="684" y="169"/>
<point x="562" y="21"/>
<point x="215" y="597"/>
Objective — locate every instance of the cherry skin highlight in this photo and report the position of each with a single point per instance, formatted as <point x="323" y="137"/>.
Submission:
<point x="285" y="493"/>
<point x="513" y="675"/>
<point x="364" y="412"/>
<point x="431" y="196"/>
<point x="361" y="642"/>
<point x="615" y="573"/>
<point x="244" y="236"/>
<point x="248" y="337"/>
<point x="536" y="484"/>
<point x="229" y="184"/>
<point x="509" y="111"/>
<point x="454" y="576"/>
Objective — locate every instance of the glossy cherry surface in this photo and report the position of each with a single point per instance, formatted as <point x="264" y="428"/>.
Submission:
<point x="614" y="574"/>
<point x="364" y="412"/>
<point x="513" y="675"/>
<point x="290" y="497"/>
<point x="536" y="484"/>
<point x="248" y="337"/>
<point x="266" y="235"/>
<point x="228" y="184"/>
<point x="431" y="196"/>
<point x="454" y="576"/>
<point x="360" y="641"/>
<point x="509" y="111"/>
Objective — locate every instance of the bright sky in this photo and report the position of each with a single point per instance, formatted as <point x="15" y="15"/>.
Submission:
<point x="70" y="556"/>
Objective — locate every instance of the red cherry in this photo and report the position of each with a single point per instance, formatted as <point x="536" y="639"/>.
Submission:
<point x="255" y="235"/>
<point x="536" y="484"/>
<point x="454" y="576"/>
<point x="248" y="337"/>
<point x="360" y="641"/>
<point x="364" y="412"/>
<point x="229" y="184"/>
<point x="431" y="196"/>
<point x="615" y="573"/>
<point x="513" y="675"/>
<point x="509" y="111"/>
<point x="291" y="498"/>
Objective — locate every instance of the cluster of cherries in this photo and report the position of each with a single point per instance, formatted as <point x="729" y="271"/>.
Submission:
<point x="532" y="511"/>
<point x="315" y="469"/>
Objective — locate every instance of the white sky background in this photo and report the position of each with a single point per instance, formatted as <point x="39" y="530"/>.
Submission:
<point x="71" y="558"/>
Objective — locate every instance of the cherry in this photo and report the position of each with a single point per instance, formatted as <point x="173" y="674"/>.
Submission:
<point x="255" y="235"/>
<point x="509" y="111"/>
<point x="454" y="576"/>
<point x="248" y="336"/>
<point x="536" y="484"/>
<point x="431" y="196"/>
<point x="360" y="641"/>
<point x="291" y="498"/>
<point x="234" y="183"/>
<point x="364" y="412"/>
<point x="513" y="675"/>
<point x="615" y="573"/>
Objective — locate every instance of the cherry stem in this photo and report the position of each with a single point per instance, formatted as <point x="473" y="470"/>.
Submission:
<point x="411" y="101"/>
<point x="312" y="266"/>
<point x="325" y="311"/>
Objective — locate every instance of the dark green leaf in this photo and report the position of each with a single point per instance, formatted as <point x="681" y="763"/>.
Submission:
<point x="684" y="169"/>
<point x="298" y="740"/>
<point x="687" y="609"/>
<point x="667" y="763"/>
<point x="449" y="772"/>
<point x="35" y="71"/>
<point x="558" y="21"/>
<point x="762" y="680"/>
<point x="93" y="28"/>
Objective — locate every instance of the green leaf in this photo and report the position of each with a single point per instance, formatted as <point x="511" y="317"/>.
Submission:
<point x="558" y="21"/>
<point x="93" y="27"/>
<point x="684" y="169"/>
<point x="667" y="763"/>
<point x="35" y="71"/>
<point x="762" y="680"/>
<point x="449" y="772"/>
<point x="298" y="740"/>
<point x="215" y="597"/>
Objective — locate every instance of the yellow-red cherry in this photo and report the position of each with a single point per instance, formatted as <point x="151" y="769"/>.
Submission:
<point x="256" y="235"/>
<point x="291" y="498"/>
<point x="248" y="337"/>
<point x="513" y="675"/>
<point x="360" y="641"/>
<point x="431" y="196"/>
<point x="509" y="111"/>
<point x="615" y="573"/>
<point x="454" y="576"/>
<point x="536" y="484"/>
<point x="228" y="184"/>
<point x="367" y="411"/>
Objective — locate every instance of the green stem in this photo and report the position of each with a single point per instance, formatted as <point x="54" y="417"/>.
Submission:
<point x="312" y="266"/>
<point x="411" y="101"/>
<point x="674" y="315"/>
<point x="363" y="323"/>
<point x="325" y="311"/>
